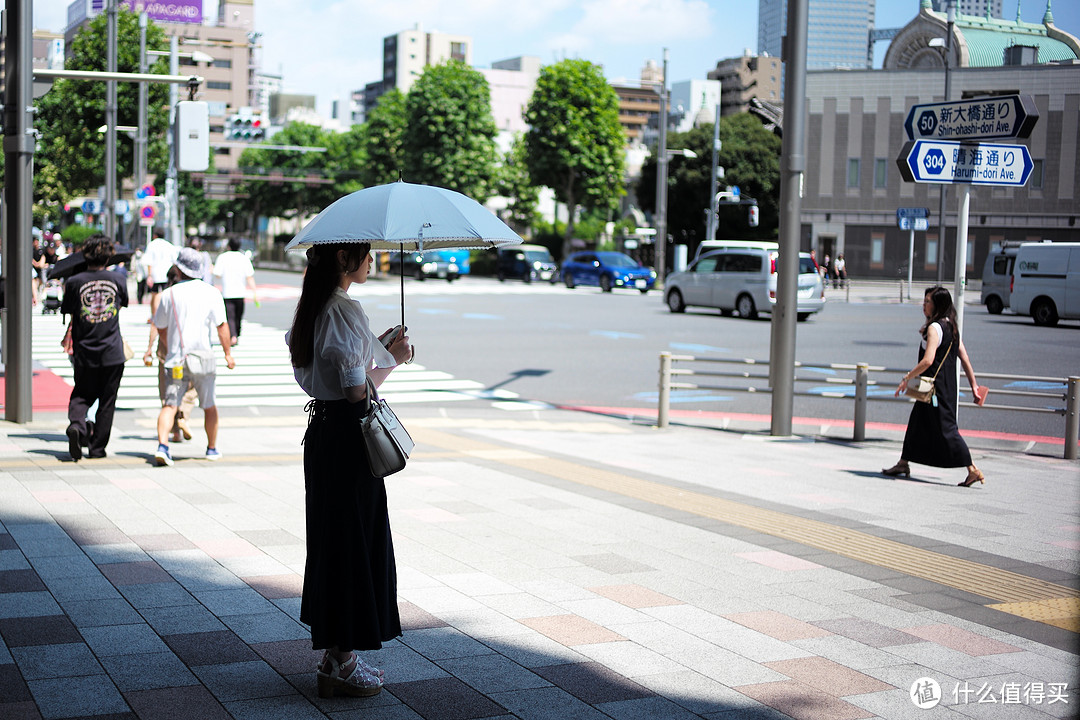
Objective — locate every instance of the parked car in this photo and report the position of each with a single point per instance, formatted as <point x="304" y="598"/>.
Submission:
<point x="742" y="279"/>
<point x="1046" y="282"/>
<point x="608" y="270"/>
<point x="526" y="262"/>
<point x="449" y="264"/>
<point x="997" y="277"/>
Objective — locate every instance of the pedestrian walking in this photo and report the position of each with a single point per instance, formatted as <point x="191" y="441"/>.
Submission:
<point x="350" y="577"/>
<point x="932" y="436"/>
<point x="237" y="277"/>
<point x="155" y="347"/>
<point x="187" y="315"/>
<point x="159" y="257"/>
<point x="93" y="299"/>
<point x="840" y="271"/>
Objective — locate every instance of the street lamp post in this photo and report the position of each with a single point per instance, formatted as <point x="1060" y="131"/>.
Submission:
<point x="110" y="122"/>
<point x="661" y="183"/>
<point x="951" y="16"/>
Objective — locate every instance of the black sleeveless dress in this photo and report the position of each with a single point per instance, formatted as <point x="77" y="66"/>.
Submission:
<point x="932" y="437"/>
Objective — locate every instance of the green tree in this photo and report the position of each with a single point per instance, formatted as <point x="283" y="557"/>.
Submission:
<point x="70" y="155"/>
<point x="278" y="197"/>
<point x="381" y="138"/>
<point x="750" y="156"/>
<point x="449" y="140"/>
<point x="517" y="187"/>
<point x="575" y="144"/>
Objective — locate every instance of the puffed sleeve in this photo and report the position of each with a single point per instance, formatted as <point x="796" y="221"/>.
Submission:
<point x="349" y="345"/>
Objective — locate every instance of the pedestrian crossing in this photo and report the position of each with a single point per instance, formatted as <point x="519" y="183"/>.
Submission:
<point x="262" y="377"/>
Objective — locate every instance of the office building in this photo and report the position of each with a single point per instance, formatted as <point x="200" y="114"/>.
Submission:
<point x="406" y="54"/>
<point x="747" y="77"/>
<point x="837" y="35"/>
<point x="980" y="8"/>
<point x="693" y="103"/>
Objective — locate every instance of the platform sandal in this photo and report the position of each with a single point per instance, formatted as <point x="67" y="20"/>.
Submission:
<point x="358" y="682"/>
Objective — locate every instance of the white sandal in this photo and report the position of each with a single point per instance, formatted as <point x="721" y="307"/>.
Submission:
<point x="360" y="682"/>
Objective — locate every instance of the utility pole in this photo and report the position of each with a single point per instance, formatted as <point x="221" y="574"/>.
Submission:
<point x="141" y="133"/>
<point x="714" y="178"/>
<point x="110" y="125"/>
<point x="792" y="167"/>
<point x="172" y="188"/>
<point x="19" y="137"/>
<point x="944" y="187"/>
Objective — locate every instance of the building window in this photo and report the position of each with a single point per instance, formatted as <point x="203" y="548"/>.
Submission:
<point x="853" y="172"/>
<point x="881" y="172"/>
<point x="877" y="252"/>
<point x="222" y="63"/>
<point x="457" y="51"/>
<point x="1036" y="174"/>
<point x="931" y="254"/>
<point x="218" y="85"/>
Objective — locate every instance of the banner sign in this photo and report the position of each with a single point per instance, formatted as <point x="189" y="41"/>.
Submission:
<point x="170" y="11"/>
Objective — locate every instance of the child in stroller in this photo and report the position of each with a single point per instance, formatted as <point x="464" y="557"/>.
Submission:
<point x="54" y="293"/>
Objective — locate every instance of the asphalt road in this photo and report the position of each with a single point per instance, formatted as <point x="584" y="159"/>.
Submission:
<point x="586" y="348"/>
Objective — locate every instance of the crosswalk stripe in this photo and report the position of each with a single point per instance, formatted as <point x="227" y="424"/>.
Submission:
<point x="263" y="375"/>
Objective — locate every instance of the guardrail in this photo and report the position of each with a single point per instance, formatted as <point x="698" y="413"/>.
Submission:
<point x="861" y="380"/>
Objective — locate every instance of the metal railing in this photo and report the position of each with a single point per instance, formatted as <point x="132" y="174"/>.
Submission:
<point x="861" y="380"/>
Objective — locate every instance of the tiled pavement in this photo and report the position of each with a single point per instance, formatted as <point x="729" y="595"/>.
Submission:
<point x="536" y="578"/>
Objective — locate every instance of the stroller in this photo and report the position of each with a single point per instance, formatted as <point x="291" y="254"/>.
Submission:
<point x="54" y="291"/>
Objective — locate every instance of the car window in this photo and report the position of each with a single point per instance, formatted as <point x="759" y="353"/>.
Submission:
<point x="587" y="258"/>
<point x="742" y="263"/>
<point x="806" y="266"/>
<point x="706" y="265"/>
<point x="537" y="256"/>
<point x="616" y="259"/>
<point x="1001" y="265"/>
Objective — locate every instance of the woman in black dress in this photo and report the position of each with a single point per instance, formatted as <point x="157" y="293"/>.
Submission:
<point x="350" y="577"/>
<point x="932" y="437"/>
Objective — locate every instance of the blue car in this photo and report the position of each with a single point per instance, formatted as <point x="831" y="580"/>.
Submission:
<point x="608" y="270"/>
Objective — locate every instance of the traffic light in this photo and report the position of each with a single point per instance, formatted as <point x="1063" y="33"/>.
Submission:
<point x="258" y="131"/>
<point x="753" y="218"/>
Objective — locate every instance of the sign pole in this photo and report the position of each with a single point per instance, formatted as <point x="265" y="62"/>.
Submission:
<point x="961" y="253"/>
<point x="910" y="259"/>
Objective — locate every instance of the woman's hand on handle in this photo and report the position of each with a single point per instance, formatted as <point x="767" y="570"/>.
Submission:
<point x="401" y="349"/>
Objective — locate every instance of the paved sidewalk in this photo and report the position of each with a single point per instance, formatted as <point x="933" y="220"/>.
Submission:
<point x="552" y="564"/>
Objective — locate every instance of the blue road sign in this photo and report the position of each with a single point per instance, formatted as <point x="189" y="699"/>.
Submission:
<point x="987" y="118"/>
<point x="902" y="213"/>
<point x="949" y="162"/>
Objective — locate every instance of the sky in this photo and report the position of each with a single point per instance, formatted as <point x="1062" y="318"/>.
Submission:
<point x="331" y="47"/>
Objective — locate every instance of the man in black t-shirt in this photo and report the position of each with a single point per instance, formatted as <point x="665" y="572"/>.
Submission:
<point x="93" y="299"/>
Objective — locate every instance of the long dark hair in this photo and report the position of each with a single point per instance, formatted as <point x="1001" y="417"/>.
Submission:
<point x="943" y="309"/>
<point x="323" y="274"/>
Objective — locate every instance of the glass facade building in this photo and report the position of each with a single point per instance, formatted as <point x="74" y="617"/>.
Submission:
<point x="838" y="33"/>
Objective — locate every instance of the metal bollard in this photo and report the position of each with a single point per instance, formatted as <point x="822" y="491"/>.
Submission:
<point x="862" y="371"/>
<point x="663" y="398"/>
<point x="1072" y="417"/>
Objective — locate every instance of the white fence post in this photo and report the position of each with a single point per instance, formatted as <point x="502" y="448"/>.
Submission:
<point x="862" y="370"/>
<point x="663" y="398"/>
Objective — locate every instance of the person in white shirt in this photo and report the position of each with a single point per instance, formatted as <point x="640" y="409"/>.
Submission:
<point x="237" y="277"/>
<point x="159" y="257"/>
<point x="186" y="315"/>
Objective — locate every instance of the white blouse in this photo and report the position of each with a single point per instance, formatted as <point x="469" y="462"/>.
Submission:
<point x="345" y="349"/>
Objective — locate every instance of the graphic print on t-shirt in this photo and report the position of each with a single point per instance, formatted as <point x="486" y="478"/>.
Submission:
<point x="97" y="299"/>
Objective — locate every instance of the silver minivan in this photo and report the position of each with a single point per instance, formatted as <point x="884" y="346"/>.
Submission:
<point x="741" y="277"/>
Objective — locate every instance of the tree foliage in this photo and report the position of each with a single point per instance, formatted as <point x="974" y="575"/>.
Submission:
<point x="517" y="187"/>
<point x="70" y="155"/>
<point x="381" y="138"/>
<point x="575" y="144"/>
<point x="449" y="140"/>
<point x="750" y="155"/>
<point x="276" y="196"/>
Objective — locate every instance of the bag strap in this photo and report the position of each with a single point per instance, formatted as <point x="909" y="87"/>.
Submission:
<point x="946" y="355"/>
<point x="179" y="334"/>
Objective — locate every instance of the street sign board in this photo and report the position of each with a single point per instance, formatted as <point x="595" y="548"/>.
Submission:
<point x="909" y="223"/>
<point x="91" y="207"/>
<point x="1003" y="116"/>
<point x="902" y="213"/>
<point x="950" y="162"/>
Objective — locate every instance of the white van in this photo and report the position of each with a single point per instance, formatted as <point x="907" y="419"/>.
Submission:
<point x="740" y="276"/>
<point x="997" y="277"/>
<point x="1046" y="282"/>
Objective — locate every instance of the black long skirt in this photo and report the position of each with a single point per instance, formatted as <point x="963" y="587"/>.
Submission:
<point x="350" y="578"/>
<point x="932" y="436"/>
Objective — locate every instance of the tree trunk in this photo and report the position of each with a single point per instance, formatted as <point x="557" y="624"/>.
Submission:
<point x="571" y="210"/>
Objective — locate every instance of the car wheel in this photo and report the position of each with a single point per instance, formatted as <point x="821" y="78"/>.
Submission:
<point x="675" y="302"/>
<point x="451" y="278"/>
<point x="569" y="281"/>
<point x="745" y="305"/>
<point x="803" y="316"/>
<point x="419" y="273"/>
<point x="605" y="283"/>
<point x="501" y="276"/>
<point x="1044" y="312"/>
<point x="528" y="277"/>
<point x="994" y="306"/>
